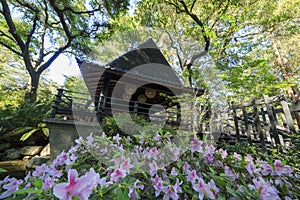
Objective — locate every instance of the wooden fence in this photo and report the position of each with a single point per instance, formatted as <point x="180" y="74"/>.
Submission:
<point x="267" y="122"/>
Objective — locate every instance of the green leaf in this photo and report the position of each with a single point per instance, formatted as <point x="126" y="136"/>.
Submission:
<point x="38" y="183"/>
<point x="27" y="191"/>
<point x="122" y="194"/>
<point x="232" y="192"/>
<point x="25" y="136"/>
<point x="2" y="170"/>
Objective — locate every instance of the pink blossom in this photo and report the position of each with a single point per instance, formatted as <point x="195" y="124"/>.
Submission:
<point x="174" y="172"/>
<point x="192" y="176"/>
<point x="196" y="146"/>
<point x="132" y="190"/>
<point x="251" y="168"/>
<point x="214" y="188"/>
<point x="203" y="189"/>
<point x="153" y="168"/>
<point x="169" y="193"/>
<point x="266" y="191"/>
<point x="175" y="153"/>
<point x="186" y="167"/>
<point x="177" y="187"/>
<point x="40" y="170"/>
<point x="11" y="186"/>
<point x="266" y="169"/>
<point x="125" y="164"/>
<point x="282" y="170"/>
<point x="117" y="138"/>
<point x="230" y="173"/>
<point x="249" y="158"/>
<point x="237" y="156"/>
<point x="117" y="173"/>
<point x="77" y="187"/>
<point x="210" y="149"/>
<point x="209" y="158"/>
<point x="48" y="183"/>
<point x="223" y="153"/>
<point x="157" y="184"/>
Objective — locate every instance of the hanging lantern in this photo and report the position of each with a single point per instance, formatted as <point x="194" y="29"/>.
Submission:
<point x="150" y="93"/>
<point x="142" y="98"/>
<point x="130" y="88"/>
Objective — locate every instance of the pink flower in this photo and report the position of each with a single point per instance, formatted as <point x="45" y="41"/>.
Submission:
<point x="249" y="158"/>
<point x="210" y="149"/>
<point x="132" y="190"/>
<point x="266" y="191"/>
<point x="203" y="189"/>
<point x="117" y="173"/>
<point x="157" y="184"/>
<point x="174" y="172"/>
<point x="175" y="153"/>
<point x="153" y="168"/>
<point x="237" y="156"/>
<point x="169" y="193"/>
<point x="251" y="168"/>
<point x="39" y="171"/>
<point x="229" y="172"/>
<point x="214" y="188"/>
<point x="192" y="176"/>
<point x="186" y="167"/>
<point x="77" y="187"/>
<point x="125" y="164"/>
<point x="48" y="183"/>
<point x="196" y="146"/>
<point x="209" y="158"/>
<point x="266" y="169"/>
<point x="10" y="187"/>
<point x="282" y="170"/>
<point x="223" y="153"/>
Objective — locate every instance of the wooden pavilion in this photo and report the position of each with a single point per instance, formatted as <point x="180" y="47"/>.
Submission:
<point x="135" y="82"/>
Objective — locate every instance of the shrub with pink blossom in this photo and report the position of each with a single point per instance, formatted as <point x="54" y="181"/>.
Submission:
<point x="203" y="171"/>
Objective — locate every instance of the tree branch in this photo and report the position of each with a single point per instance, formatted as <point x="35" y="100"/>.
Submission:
<point x="11" y="25"/>
<point x="10" y="48"/>
<point x="32" y="31"/>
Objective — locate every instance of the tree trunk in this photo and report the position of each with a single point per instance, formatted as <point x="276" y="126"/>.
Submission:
<point x="32" y="87"/>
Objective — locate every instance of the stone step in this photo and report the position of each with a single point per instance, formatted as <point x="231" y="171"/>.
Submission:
<point x="15" y="168"/>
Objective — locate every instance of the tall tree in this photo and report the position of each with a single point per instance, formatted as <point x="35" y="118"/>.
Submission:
<point x="39" y="31"/>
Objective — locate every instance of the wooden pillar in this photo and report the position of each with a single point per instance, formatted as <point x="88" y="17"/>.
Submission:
<point x="288" y="116"/>
<point x="258" y="126"/>
<point x="236" y="122"/>
<point x="272" y="120"/>
<point x="246" y="120"/>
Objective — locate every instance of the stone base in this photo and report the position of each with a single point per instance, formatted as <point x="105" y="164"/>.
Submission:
<point x="62" y="133"/>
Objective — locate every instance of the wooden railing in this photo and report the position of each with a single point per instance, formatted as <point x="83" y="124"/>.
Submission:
<point x="79" y="106"/>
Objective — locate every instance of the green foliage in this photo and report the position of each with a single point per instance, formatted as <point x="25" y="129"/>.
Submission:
<point x="23" y="121"/>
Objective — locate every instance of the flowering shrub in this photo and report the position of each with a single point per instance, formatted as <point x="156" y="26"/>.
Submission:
<point x="201" y="172"/>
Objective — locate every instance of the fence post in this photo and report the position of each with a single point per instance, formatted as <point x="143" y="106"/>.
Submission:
<point x="246" y="120"/>
<point x="272" y="120"/>
<point x="236" y="122"/>
<point x="288" y="116"/>
<point x="258" y="126"/>
<point x="56" y="102"/>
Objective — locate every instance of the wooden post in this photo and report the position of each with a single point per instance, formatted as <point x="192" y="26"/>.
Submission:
<point x="288" y="116"/>
<point x="272" y="121"/>
<point x="258" y="126"/>
<point x="57" y="102"/>
<point x="246" y="118"/>
<point x="236" y="122"/>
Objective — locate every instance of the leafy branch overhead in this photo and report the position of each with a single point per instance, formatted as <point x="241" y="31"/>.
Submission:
<point x="38" y="32"/>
